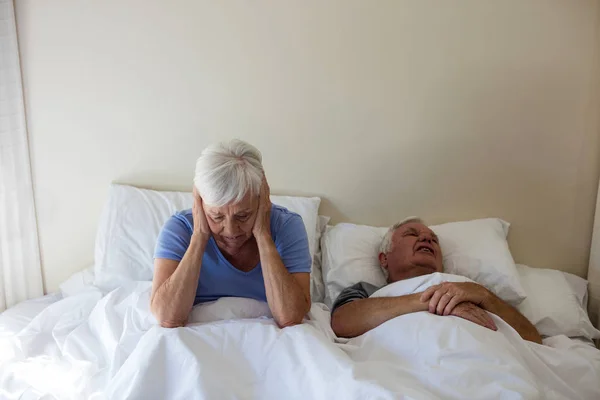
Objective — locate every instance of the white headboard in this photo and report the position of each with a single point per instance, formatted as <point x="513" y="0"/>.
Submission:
<point x="448" y="110"/>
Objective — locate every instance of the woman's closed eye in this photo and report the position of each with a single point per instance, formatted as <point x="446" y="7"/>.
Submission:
<point x="242" y="217"/>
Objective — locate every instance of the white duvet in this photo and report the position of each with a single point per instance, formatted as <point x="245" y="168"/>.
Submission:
<point x="91" y="345"/>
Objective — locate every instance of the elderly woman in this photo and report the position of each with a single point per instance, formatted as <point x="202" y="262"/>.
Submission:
<point x="233" y="242"/>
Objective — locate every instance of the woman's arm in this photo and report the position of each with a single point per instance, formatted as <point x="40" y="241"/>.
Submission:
<point x="174" y="286"/>
<point x="174" y="283"/>
<point x="288" y="295"/>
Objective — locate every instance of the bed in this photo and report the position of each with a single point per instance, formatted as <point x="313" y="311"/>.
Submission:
<point x="96" y="338"/>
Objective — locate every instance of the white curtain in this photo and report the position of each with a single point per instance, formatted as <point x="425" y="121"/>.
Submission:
<point x="20" y="269"/>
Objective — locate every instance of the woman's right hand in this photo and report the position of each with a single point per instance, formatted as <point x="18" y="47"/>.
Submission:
<point x="201" y="228"/>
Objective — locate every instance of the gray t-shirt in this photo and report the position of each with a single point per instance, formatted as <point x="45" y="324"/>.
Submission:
<point x="361" y="290"/>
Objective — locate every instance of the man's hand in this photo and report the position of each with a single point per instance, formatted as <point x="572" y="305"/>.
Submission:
<point x="448" y="298"/>
<point x="262" y="223"/>
<point x="443" y="298"/>
<point x="475" y="314"/>
<point x="201" y="228"/>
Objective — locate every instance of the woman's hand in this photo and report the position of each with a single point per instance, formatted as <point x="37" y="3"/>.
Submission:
<point x="444" y="297"/>
<point x="201" y="228"/>
<point x="262" y="223"/>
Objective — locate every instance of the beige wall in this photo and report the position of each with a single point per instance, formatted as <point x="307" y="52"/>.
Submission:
<point x="450" y="110"/>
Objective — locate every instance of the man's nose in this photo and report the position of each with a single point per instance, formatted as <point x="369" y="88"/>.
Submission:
<point x="425" y="238"/>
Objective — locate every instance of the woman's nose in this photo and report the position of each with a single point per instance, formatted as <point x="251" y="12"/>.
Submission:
<point x="229" y="228"/>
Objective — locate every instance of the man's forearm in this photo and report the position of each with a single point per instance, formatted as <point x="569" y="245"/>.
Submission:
<point x="174" y="299"/>
<point x="359" y="316"/>
<point x="285" y="296"/>
<point x="514" y="318"/>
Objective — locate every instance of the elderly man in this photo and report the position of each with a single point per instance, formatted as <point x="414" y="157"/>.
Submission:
<point x="410" y="249"/>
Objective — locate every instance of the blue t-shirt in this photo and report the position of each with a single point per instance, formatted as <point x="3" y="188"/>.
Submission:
<point x="218" y="278"/>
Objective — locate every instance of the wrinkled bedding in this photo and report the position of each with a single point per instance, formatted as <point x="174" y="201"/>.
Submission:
<point x="100" y="345"/>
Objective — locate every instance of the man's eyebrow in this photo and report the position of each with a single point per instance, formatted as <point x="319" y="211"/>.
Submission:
<point x="411" y="229"/>
<point x="246" y="211"/>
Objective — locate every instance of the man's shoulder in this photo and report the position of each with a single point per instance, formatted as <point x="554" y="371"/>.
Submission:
<point x="366" y="287"/>
<point x="360" y="290"/>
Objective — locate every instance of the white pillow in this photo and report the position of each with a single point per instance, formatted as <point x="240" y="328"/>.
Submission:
<point x="579" y="286"/>
<point x="478" y="250"/>
<point x="132" y="219"/>
<point x="349" y="255"/>
<point x="317" y="287"/>
<point x="475" y="249"/>
<point x="552" y="305"/>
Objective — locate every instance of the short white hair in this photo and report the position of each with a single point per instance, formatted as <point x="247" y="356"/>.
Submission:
<point x="227" y="171"/>
<point x="386" y="242"/>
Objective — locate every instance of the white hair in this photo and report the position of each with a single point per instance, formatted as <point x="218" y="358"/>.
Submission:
<point x="386" y="242"/>
<point x="227" y="171"/>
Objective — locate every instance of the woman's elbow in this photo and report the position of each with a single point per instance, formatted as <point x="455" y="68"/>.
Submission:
<point x="292" y="319"/>
<point x="171" y="324"/>
<point x="289" y="322"/>
<point x="162" y="319"/>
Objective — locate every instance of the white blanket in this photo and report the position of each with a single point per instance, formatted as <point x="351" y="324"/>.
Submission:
<point x="92" y="345"/>
<point x="423" y="355"/>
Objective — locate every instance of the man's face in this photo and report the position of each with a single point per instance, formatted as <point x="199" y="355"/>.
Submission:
<point x="415" y="251"/>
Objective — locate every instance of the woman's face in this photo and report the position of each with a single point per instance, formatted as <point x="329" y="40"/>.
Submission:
<point x="231" y="224"/>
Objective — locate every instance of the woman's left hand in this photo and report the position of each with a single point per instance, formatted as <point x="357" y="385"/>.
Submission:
<point x="262" y="223"/>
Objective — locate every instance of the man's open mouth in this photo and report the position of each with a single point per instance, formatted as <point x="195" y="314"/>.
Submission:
<point x="425" y="249"/>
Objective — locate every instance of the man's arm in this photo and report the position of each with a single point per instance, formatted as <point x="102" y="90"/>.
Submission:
<point x="359" y="316"/>
<point x="444" y="297"/>
<point x="512" y="317"/>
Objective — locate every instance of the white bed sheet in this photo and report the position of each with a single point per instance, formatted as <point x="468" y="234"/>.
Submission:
<point x="96" y="345"/>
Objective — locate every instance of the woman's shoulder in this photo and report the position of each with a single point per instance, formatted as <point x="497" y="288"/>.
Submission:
<point x="182" y="219"/>
<point x="282" y="213"/>
<point x="282" y="217"/>
<point x="174" y="237"/>
<point x="289" y="232"/>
